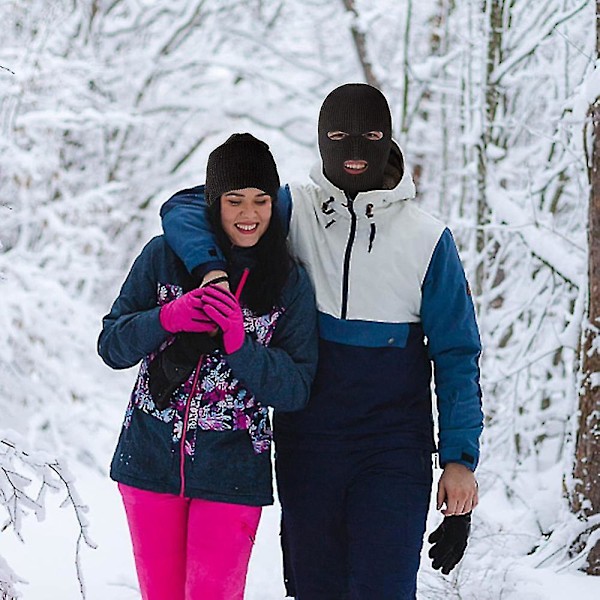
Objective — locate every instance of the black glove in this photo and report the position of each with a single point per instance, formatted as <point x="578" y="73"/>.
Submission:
<point x="175" y="364"/>
<point x="449" y="542"/>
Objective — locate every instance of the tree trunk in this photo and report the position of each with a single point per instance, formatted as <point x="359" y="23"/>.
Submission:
<point x="360" y="42"/>
<point x="493" y="14"/>
<point x="405" y="68"/>
<point x="586" y="497"/>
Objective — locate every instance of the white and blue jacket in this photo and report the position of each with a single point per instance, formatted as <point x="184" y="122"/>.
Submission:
<point x="392" y="299"/>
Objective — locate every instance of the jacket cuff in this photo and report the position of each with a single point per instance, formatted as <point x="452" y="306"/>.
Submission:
<point x="466" y="457"/>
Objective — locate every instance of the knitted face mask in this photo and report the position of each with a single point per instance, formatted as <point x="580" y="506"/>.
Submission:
<point x="355" y="160"/>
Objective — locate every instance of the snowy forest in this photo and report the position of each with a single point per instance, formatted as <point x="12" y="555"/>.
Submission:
<point x="108" y="107"/>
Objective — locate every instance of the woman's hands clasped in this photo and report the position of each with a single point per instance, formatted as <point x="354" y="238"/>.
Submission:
<point x="205" y="310"/>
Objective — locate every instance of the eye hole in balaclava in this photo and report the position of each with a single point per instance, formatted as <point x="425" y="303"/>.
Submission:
<point x="355" y="137"/>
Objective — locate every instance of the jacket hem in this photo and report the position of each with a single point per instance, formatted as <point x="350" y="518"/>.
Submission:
<point x="195" y="493"/>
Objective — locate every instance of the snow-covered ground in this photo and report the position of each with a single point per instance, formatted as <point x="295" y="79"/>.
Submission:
<point x="46" y="561"/>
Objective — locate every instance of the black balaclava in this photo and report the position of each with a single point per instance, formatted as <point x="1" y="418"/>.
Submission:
<point x="355" y="109"/>
<point x="242" y="161"/>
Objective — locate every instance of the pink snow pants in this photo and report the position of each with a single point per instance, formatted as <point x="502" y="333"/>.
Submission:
<point x="189" y="549"/>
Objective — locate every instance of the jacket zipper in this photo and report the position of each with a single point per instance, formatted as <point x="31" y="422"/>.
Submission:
<point x="347" y="255"/>
<point x="184" y="430"/>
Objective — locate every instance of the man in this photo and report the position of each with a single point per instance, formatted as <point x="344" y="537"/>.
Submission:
<point x="354" y="468"/>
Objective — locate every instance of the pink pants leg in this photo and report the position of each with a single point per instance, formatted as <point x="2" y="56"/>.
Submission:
<point x="189" y="549"/>
<point x="220" y="540"/>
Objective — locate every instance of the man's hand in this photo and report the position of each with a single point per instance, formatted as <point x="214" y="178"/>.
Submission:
<point x="457" y="489"/>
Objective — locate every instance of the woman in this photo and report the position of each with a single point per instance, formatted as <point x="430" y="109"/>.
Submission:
<point x="193" y="458"/>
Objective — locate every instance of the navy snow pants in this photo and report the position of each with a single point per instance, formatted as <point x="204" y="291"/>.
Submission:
<point x="353" y="522"/>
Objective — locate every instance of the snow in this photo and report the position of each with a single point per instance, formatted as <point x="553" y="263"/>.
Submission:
<point x="107" y="108"/>
<point x="543" y="242"/>
<point x="46" y="559"/>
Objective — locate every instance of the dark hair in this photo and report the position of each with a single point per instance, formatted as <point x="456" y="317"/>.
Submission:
<point x="269" y="274"/>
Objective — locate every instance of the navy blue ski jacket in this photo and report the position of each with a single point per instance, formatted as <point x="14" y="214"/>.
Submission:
<point x="212" y="441"/>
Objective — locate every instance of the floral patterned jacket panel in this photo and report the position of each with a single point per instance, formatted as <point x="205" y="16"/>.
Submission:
<point x="218" y="401"/>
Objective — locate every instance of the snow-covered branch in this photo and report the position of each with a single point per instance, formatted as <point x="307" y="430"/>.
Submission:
<point x="565" y="258"/>
<point x="21" y="470"/>
<point x="533" y="39"/>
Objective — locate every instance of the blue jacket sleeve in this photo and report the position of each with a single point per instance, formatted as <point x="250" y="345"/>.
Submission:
<point x="448" y="319"/>
<point x="280" y="375"/>
<point x="132" y="328"/>
<point x="189" y="234"/>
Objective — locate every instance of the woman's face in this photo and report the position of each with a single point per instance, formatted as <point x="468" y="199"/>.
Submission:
<point x="245" y="215"/>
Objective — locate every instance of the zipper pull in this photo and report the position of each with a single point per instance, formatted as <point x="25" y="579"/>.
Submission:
<point x="242" y="283"/>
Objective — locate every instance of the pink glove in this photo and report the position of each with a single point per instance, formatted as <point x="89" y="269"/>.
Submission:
<point x="186" y="314"/>
<point x="223" y="308"/>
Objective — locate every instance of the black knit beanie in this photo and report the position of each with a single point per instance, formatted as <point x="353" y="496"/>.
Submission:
<point x="242" y="161"/>
<point x="355" y="109"/>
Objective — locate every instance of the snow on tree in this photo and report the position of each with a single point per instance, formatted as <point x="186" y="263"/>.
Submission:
<point x="109" y="106"/>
